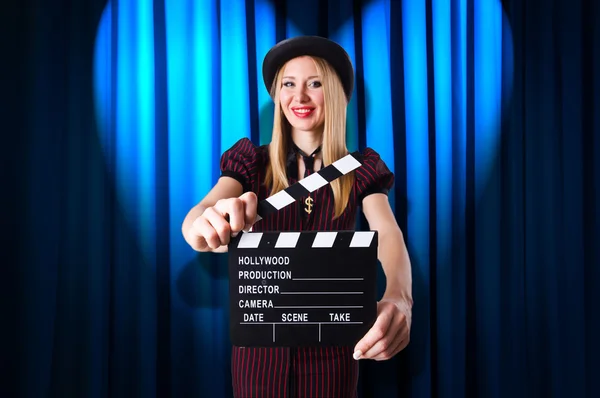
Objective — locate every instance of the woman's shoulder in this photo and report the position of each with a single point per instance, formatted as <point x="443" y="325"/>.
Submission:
<point x="369" y="154"/>
<point x="373" y="175"/>
<point x="247" y="152"/>
<point x="243" y="161"/>
<point x="246" y="147"/>
<point x="372" y="160"/>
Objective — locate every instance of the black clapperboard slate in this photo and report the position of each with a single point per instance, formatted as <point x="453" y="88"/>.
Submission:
<point x="291" y="289"/>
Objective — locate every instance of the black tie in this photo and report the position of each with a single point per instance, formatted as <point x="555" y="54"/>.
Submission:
<point x="309" y="160"/>
<point x="309" y="163"/>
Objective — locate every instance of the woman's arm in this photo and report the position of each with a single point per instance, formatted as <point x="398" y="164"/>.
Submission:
<point x="391" y="331"/>
<point x="392" y="250"/>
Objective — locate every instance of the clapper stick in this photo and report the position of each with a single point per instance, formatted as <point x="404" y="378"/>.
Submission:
<point x="307" y="185"/>
<point x="295" y="288"/>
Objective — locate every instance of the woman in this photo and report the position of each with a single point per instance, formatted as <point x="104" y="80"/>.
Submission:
<point x="310" y="80"/>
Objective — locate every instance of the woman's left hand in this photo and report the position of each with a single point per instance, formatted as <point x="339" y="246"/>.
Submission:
<point x="390" y="333"/>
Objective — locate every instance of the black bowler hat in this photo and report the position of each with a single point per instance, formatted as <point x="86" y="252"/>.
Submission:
<point x="316" y="46"/>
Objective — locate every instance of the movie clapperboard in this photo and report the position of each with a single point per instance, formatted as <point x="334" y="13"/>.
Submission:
<point x="290" y="289"/>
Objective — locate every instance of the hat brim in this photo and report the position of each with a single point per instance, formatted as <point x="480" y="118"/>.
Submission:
<point x="316" y="46"/>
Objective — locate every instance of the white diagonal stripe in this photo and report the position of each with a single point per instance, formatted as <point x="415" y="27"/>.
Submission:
<point x="346" y="164"/>
<point x="324" y="239"/>
<point x="280" y="200"/>
<point x="250" y="240"/>
<point x="287" y="239"/>
<point x="313" y="182"/>
<point x="362" y="239"/>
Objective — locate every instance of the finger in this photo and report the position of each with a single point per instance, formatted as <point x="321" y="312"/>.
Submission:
<point x="403" y="343"/>
<point x="377" y="332"/>
<point x="250" y="206"/>
<point x="196" y="241"/>
<point x="204" y="234"/>
<point x="383" y="346"/>
<point x="235" y="209"/>
<point x="216" y="221"/>
<point x="386" y="344"/>
<point x="398" y="343"/>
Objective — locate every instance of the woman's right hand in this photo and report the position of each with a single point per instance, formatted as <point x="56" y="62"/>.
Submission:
<point x="218" y="223"/>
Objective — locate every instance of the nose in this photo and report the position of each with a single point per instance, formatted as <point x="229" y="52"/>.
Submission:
<point x="301" y="95"/>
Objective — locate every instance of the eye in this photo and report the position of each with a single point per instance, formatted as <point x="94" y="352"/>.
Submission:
<point x="315" y="84"/>
<point x="288" y="84"/>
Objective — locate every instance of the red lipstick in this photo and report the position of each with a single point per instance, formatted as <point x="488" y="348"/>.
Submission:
<point x="303" y="111"/>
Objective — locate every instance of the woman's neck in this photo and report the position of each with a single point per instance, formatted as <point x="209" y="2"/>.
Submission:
<point x="307" y="141"/>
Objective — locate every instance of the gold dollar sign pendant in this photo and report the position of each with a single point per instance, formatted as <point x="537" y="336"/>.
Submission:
<point x="309" y="204"/>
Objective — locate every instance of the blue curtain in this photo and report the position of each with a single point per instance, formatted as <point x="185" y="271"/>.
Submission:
<point x="484" y="111"/>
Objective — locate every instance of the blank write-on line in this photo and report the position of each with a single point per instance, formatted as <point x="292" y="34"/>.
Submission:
<point x="321" y="292"/>
<point x="328" y="279"/>
<point x="318" y="306"/>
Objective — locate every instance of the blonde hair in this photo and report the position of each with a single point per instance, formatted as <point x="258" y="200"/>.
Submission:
<point x="334" y="136"/>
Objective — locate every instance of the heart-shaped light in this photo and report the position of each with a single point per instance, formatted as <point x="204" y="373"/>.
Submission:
<point x="172" y="94"/>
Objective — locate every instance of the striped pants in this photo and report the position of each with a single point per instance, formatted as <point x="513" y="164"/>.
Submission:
<point x="294" y="372"/>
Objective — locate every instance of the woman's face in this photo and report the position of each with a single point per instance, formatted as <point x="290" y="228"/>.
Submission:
<point x="301" y="95"/>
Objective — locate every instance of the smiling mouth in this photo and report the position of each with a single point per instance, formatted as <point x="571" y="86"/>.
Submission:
<point x="302" y="112"/>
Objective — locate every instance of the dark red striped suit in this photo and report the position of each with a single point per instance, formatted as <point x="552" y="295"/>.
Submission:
<point x="311" y="371"/>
